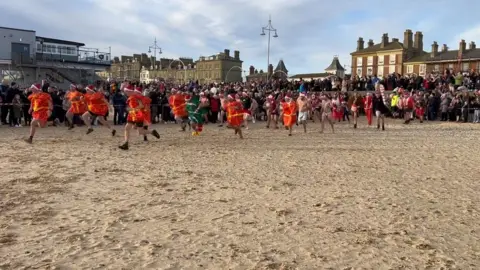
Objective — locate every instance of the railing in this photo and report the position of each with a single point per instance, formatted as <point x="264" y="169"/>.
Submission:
<point x="23" y="59"/>
<point x="33" y="59"/>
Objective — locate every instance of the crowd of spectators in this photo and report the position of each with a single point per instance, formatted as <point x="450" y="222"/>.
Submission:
<point x="447" y="96"/>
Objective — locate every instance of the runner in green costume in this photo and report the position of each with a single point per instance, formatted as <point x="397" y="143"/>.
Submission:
<point x="195" y="114"/>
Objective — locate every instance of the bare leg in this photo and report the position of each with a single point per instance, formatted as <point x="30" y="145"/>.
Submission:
<point x="69" y="117"/>
<point x="33" y="128"/>
<point x="128" y="129"/>
<point x="290" y="130"/>
<point x="355" y="117"/>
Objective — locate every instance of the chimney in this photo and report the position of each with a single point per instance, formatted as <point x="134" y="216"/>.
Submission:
<point x="418" y="41"/>
<point x="270" y="69"/>
<point x="360" y="44"/>
<point x="434" y="49"/>
<point x="407" y="39"/>
<point x="370" y="43"/>
<point x="444" y="48"/>
<point x="237" y="55"/>
<point x="472" y="46"/>
<point x="227" y="53"/>
<point x="252" y="70"/>
<point x="384" y="40"/>
<point x="462" y="47"/>
<point x="394" y="39"/>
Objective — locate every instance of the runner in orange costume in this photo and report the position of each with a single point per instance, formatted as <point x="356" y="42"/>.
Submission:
<point x="147" y="113"/>
<point x="178" y="104"/>
<point x="77" y="105"/>
<point x="136" y="115"/>
<point x="41" y="107"/>
<point x="235" y="114"/>
<point x="97" y="106"/>
<point x="289" y="108"/>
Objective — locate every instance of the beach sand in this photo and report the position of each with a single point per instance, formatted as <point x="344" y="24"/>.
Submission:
<point x="406" y="198"/>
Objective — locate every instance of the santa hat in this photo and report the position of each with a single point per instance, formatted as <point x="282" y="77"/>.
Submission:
<point x="288" y="96"/>
<point x="90" y="88"/>
<point x="138" y="89"/>
<point x="231" y="96"/>
<point x="73" y="86"/>
<point x="202" y="93"/>
<point x="270" y="97"/>
<point x="128" y="88"/>
<point x="36" y="87"/>
<point x="302" y="95"/>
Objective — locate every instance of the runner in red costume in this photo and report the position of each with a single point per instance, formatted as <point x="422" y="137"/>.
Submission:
<point x="41" y="107"/>
<point x="369" y="108"/>
<point x="136" y="116"/>
<point x="97" y="106"/>
<point x="235" y="115"/>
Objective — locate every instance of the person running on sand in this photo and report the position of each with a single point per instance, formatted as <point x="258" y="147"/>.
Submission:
<point x="97" y="106"/>
<point x="136" y="115"/>
<point x="41" y="107"/>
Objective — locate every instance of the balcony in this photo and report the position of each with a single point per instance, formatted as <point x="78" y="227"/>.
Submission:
<point x="93" y="56"/>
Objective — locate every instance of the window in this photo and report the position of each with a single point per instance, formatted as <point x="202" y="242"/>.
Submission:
<point x="393" y="59"/>
<point x="369" y="71"/>
<point x="370" y="60"/>
<point x="422" y="70"/>
<point x="450" y="66"/>
<point x="63" y="49"/>
<point x="391" y="69"/>
<point x="410" y="69"/>
<point x="478" y="66"/>
<point x="359" y="61"/>
<point x="359" y="72"/>
<point x="465" y="66"/>
<point x="53" y="48"/>
<point x="70" y="50"/>
<point x="39" y="47"/>
<point x="380" y="71"/>
<point x="436" y="68"/>
<point x="380" y="59"/>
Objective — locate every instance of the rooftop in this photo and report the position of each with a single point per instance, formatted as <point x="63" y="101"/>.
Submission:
<point x="16" y="29"/>
<point x="59" y="41"/>
<point x="335" y="65"/>
<point x="392" y="45"/>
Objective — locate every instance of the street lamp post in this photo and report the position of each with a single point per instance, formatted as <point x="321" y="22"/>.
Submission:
<point x="155" y="47"/>
<point x="270" y="29"/>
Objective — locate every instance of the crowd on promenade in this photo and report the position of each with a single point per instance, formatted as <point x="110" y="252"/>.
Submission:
<point x="445" y="97"/>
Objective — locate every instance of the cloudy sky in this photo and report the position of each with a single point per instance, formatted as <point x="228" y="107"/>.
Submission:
<point x="310" y="32"/>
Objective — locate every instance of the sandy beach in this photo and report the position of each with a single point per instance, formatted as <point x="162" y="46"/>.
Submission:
<point x="406" y="198"/>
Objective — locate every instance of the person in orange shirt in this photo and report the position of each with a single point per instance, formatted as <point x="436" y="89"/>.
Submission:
<point x="235" y="114"/>
<point x="136" y="116"/>
<point x="97" y="106"/>
<point x="289" y="109"/>
<point x="178" y="104"/>
<point x="41" y="107"/>
<point x="147" y="114"/>
<point x="77" y="105"/>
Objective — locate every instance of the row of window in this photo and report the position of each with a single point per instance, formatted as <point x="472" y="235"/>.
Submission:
<point x="56" y="49"/>
<point x="380" y="71"/>
<point x="381" y="60"/>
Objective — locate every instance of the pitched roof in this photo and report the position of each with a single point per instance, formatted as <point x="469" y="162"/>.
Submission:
<point x="281" y="67"/>
<point x="392" y="45"/>
<point x="310" y="75"/>
<point x="335" y="65"/>
<point x="450" y="55"/>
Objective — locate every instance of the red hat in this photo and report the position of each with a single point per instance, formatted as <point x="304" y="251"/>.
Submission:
<point x="36" y="87"/>
<point x="231" y="96"/>
<point x="73" y="86"/>
<point x="90" y="88"/>
<point x="128" y="88"/>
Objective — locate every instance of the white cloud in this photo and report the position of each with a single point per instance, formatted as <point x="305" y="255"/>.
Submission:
<point x="310" y="31"/>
